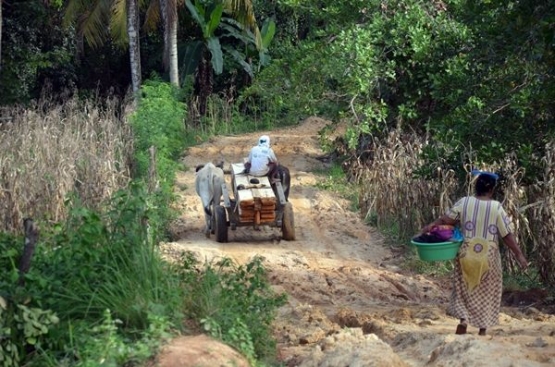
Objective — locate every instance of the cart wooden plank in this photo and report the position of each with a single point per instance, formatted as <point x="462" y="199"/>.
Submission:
<point x="245" y="198"/>
<point x="256" y="202"/>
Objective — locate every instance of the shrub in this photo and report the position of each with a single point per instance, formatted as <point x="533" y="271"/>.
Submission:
<point x="91" y="263"/>
<point x="159" y="122"/>
<point x="233" y="303"/>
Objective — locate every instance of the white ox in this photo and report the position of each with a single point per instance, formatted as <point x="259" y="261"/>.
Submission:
<point x="208" y="183"/>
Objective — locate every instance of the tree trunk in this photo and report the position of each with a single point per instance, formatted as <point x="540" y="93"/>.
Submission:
<point x="31" y="238"/>
<point x="174" y="69"/>
<point x="169" y="17"/>
<point x="204" y="81"/>
<point x="134" y="46"/>
<point x="1" y="1"/>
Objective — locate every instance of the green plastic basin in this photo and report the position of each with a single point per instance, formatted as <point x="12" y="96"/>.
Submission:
<point x="437" y="251"/>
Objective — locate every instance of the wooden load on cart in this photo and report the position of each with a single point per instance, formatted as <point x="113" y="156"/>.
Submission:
<point x="254" y="204"/>
<point x="255" y="197"/>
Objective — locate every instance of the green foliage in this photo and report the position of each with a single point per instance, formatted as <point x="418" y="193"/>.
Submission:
<point x="292" y="87"/>
<point x="22" y="324"/>
<point x="336" y="181"/>
<point x="472" y="74"/>
<point x="101" y="275"/>
<point x="238" y="335"/>
<point x="21" y="327"/>
<point x="105" y="345"/>
<point x="233" y="303"/>
<point x="108" y="261"/>
<point x="503" y="101"/>
<point x="440" y="269"/>
<point x="223" y="119"/>
<point x="158" y="122"/>
<point x="521" y="280"/>
<point x="91" y="263"/>
<point x="35" y="50"/>
<point x="208" y="18"/>
<point x="248" y="42"/>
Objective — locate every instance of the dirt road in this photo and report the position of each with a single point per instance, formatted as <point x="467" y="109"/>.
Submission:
<point x="350" y="301"/>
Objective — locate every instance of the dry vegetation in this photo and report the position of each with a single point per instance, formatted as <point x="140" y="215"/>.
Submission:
<point x="399" y="200"/>
<point x="393" y="196"/>
<point x="48" y="151"/>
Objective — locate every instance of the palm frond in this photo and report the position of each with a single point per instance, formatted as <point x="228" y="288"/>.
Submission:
<point x="118" y="22"/>
<point x="93" y="23"/>
<point x="243" y="11"/>
<point x="194" y="11"/>
<point x="73" y="11"/>
<point x="152" y="16"/>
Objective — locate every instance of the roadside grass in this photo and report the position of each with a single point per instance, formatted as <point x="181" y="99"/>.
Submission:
<point x="334" y="179"/>
<point x="233" y="303"/>
<point x="522" y="281"/>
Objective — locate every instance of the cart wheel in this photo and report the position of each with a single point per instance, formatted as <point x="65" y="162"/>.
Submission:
<point x="221" y="225"/>
<point x="288" y="223"/>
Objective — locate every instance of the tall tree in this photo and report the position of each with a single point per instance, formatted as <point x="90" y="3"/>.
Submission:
<point x="169" y="16"/>
<point x="122" y="16"/>
<point x="134" y="45"/>
<point x="167" y="11"/>
<point x="1" y="2"/>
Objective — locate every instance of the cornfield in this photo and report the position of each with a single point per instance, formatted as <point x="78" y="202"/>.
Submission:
<point x="48" y="151"/>
<point x="397" y="198"/>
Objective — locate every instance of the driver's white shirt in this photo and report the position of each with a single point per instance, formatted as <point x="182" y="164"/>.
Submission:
<point x="259" y="157"/>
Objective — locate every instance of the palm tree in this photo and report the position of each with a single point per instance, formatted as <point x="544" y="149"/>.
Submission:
<point x="242" y="10"/>
<point x="167" y="10"/>
<point x="122" y="16"/>
<point x="169" y="16"/>
<point x="134" y="44"/>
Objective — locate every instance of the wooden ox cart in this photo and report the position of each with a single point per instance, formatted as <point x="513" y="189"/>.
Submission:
<point x="254" y="204"/>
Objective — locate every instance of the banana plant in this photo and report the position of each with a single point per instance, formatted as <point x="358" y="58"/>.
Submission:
<point x="206" y="56"/>
<point x="255" y="47"/>
<point x="209" y="20"/>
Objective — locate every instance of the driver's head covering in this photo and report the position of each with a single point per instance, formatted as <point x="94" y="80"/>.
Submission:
<point x="264" y="141"/>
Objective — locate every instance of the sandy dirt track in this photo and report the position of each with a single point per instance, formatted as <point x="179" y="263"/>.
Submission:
<point x="350" y="303"/>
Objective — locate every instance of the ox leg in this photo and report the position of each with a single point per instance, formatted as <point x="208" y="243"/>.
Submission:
<point x="207" y="219"/>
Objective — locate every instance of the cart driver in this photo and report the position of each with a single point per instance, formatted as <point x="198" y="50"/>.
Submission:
<point x="262" y="160"/>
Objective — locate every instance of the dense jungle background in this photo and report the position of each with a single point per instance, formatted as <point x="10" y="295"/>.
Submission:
<point x="102" y="101"/>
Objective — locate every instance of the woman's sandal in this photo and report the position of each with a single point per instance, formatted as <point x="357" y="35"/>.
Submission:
<point x="461" y="329"/>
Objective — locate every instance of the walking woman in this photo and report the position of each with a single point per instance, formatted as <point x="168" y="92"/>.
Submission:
<point x="478" y="277"/>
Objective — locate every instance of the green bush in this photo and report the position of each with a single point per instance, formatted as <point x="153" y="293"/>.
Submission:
<point x="159" y="122"/>
<point x="83" y="267"/>
<point x="233" y="303"/>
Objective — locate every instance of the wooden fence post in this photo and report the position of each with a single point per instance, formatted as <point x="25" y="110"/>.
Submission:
<point x="31" y="238"/>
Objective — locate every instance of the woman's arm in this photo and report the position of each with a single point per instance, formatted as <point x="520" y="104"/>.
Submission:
<point x="510" y="241"/>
